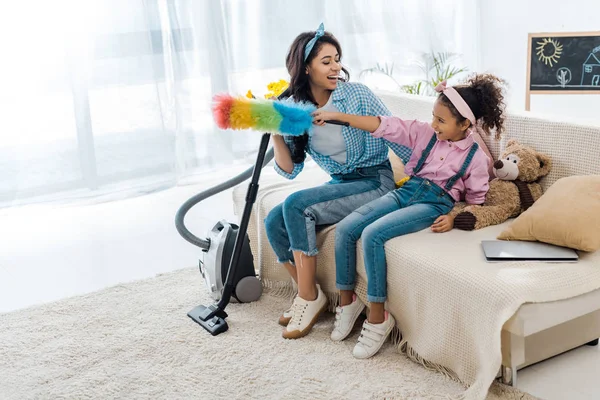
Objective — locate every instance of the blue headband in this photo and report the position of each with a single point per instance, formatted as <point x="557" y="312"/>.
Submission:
<point x="309" y="46"/>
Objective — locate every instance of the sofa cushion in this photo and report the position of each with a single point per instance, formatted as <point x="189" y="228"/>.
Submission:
<point x="397" y="166"/>
<point x="568" y="215"/>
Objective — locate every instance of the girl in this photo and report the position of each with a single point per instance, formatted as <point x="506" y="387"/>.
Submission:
<point x="357" y="162"/>
<point x="446" y="165"/>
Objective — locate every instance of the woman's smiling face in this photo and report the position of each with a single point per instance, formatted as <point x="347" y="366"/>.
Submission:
<point x="324" y="69"/>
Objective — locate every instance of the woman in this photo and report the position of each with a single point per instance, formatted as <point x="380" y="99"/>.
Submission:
<point x="357" y="162"/>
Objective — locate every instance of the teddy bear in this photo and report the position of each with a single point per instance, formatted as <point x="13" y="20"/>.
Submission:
<point x="513" y="190"/>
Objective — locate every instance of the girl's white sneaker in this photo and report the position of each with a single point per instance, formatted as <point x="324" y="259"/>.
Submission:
<point x="345" y="318"/>
<point x="373" y="336"/>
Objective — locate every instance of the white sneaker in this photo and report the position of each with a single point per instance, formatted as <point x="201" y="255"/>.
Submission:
<point x="372" y="337"/>
<point x="286" y="316"/>
<point x="304" y="315"/>
<point x="345" y="317"/>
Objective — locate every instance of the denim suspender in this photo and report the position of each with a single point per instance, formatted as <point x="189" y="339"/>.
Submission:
<point x="460" y="173"/>
<point x="425" y="155"/>
<point x="463" y="169"/>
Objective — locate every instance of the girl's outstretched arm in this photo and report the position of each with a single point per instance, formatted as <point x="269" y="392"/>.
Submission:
<point x="366" y="123"/>
<point x="393" y="129"/>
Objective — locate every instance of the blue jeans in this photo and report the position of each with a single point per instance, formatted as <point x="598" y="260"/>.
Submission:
<point x="411" y="208"/>
<point x="291" y="226"/>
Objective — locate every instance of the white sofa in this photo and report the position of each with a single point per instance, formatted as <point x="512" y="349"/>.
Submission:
<point x="536" y="331"/>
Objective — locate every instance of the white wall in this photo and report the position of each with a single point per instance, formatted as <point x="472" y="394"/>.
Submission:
<point x="504" y="26"/>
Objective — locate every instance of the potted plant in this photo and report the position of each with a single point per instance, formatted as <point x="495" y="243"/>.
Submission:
<point x="436" y="67"/>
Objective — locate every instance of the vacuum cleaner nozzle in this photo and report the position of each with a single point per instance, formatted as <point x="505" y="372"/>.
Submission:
<point x="210" y="318"/>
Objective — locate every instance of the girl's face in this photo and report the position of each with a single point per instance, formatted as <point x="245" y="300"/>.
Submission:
<point x="445" y="124"/>
<point x="324" y="70"/>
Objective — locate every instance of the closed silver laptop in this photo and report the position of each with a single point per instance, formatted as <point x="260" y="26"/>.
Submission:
<point x="502" y="250"/>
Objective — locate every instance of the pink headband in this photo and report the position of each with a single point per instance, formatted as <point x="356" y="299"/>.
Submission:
<point x="461" y="105"/>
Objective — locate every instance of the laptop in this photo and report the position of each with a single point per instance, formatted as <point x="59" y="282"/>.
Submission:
<point x="502" y="250"/>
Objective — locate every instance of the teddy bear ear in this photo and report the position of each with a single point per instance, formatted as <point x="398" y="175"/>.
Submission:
<point x="512" y="142"/>
<point x="545" y="164"/>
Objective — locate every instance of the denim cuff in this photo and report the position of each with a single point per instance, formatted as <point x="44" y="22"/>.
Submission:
<point x="309" y="253"/>
<point x="376" y="299"/>
<point x="339" y="286"/>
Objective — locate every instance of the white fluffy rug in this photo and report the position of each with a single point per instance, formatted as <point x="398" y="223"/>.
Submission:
<point x="135" y="341"/>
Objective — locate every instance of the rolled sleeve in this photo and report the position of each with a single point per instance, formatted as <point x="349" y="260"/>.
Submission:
<point x="297" y="169"/>
<point x="384" y="127"/>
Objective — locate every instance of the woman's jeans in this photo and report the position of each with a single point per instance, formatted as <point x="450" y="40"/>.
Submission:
<point x="291" y="226"/>
<point x="411" y="208"/>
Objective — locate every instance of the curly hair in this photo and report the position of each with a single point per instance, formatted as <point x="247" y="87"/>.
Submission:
<point x="484" y="93"/>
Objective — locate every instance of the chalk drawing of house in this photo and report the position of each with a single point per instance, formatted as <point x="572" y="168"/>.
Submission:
<point x="591" y="69"/>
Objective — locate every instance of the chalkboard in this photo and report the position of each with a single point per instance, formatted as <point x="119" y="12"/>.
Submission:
<point x="563" y="63"/>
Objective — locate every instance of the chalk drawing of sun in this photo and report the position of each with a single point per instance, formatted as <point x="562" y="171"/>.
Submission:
<point x="549" y="51"/>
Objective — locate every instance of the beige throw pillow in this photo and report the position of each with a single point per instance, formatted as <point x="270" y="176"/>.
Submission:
<point x="567" y="215"/>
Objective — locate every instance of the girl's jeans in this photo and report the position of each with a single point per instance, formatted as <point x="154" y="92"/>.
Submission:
<point x="411" y="208"/>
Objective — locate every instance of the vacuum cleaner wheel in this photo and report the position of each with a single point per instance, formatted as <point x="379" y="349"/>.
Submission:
<point x="248" y="289"/>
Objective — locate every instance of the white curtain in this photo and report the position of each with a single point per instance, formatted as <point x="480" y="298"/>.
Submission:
<point x="112" y="97"/>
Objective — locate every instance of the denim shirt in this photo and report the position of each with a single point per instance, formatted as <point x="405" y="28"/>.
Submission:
<point x="362" y="149"/>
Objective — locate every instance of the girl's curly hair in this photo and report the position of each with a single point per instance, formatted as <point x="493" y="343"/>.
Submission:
<point x="484" y="93"/>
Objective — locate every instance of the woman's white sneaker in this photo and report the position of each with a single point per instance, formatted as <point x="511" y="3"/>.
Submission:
<point x="373" y="336"/>
<point x="286" y="316"/>
<point x="345" y="318"/>
<point x="304" y="315"/>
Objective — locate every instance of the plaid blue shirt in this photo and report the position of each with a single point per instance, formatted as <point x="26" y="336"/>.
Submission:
<point x="362" y="149"/>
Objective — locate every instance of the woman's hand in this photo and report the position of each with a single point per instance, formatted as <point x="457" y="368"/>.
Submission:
<point x="443" y="223"/>
<point x="320" y="116"/>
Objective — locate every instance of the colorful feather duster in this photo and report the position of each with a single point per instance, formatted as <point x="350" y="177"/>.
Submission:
<point x="282" y="117"/>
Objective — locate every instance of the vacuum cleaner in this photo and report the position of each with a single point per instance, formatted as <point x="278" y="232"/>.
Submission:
<point x="227" y="265"/>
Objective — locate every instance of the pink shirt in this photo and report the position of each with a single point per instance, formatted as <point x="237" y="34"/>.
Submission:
<point x="444" y="161"/>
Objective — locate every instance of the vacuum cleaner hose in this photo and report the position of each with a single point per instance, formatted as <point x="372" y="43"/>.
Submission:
<point x="185" y="207"/>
